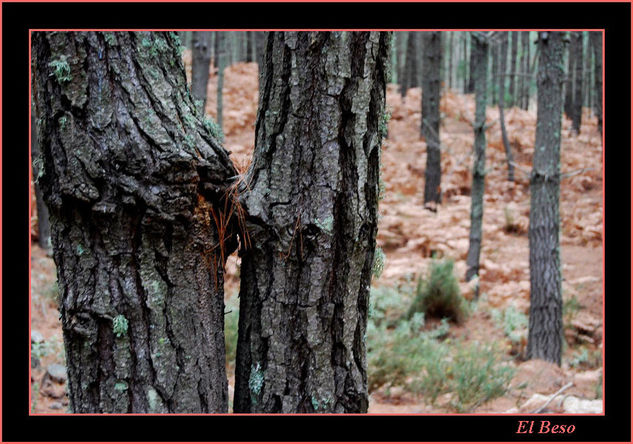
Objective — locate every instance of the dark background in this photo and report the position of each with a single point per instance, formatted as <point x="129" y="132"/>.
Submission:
<point x="18" y="18"/>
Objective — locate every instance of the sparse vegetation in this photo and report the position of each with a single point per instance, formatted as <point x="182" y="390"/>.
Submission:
<point x="438" y="294"/>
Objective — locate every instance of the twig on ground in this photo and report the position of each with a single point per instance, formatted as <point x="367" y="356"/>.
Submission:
<point x="562" y="389"/>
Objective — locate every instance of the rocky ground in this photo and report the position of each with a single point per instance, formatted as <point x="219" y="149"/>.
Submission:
<point x="409" y="235"/>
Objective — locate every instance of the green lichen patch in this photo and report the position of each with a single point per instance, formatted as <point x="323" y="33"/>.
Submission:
<point x="256" y="381"/>
<point x="119" y="325"/>
<point x="121" y="386"/>
<point x="61" y="70"/>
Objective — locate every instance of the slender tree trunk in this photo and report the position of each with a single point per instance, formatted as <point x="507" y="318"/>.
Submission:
<point x="260" y="47"/>
<point x="471" y="70"/>
<point x="131" y="175"/>
<point x="401" y="45"/>
<point x="513" y="68"/>
<point x="596" y="40"/>
<point x="411" y="64"/>
<point x="305" y="279"/>
<point x="200" y="60"/>
<point x="503" y="52"/>
<point x="524" y="81"/>
<point x="43" y="222"/>
<point x="249" y="46"/>
<point x="222" y="52"/>
<point x="466" y="60"/>
<point x="431" y="117"/>
<point x="569" y="81"/>
<point x="451" y="36"/>
<point x="546" y="327"/>
<point x="494" y="74"/>
<point x="480" y="47"/>
<point x="588" y="69"/>
<point x="578" y="81"/>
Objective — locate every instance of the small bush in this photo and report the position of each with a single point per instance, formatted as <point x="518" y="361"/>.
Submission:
<point x="512" y="321"/>
<point x="438" y="296"/>
<point x="231" y="322"/>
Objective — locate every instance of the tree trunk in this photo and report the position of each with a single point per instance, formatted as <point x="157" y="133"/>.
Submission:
<point x="401" y="45"/>
<point x="587" y="83"/>
<point x="311" y="199"/>
<point x="513" y="68"/>
<point x="546" y="327"/>
<point x="471" y="70"/>
<point x="411" y="64"/>
<point x="578" y="64"/>
<point x="220" y="37"/>
<point x="43" y="222"/>
<point x="430" y="127"/>
<point x="250" y="47"/>
<point x="569" y="80"/>
<point x="494" y="74"/>
<point x="451" y="35"/>
<point x="200" y="60"/>
<point x="596" y="40"/>
<point x="524" y="81"/>
<point x="260" y="47"/>
<point x="480" y="73"/>
<point x="466" y="60"/>
<point x="503" y="52"/>
<point x="131" y="174"/>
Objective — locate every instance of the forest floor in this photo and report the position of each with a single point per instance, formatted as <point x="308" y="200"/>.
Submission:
<point x="411" y="236"/>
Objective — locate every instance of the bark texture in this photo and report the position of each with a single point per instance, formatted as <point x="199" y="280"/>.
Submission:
<point x="311" y="199"/>
<point x="480" y="48"/>
<point x="596" y="41"/>
<point x="578" y="81"/>
<point x="503" y="53"/>
<point x="546" y="326"/>
<point x="430" y="125"/>
<point x="131" y="174"/>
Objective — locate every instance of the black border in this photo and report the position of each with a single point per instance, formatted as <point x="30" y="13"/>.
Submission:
<point x="18" y="18"/>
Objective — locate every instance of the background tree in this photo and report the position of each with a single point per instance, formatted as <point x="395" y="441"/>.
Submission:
<point x="131" y="176"/>
<point x="411" y="66"/>
<point x="430" y="126"/>
<point x="220" y="38"/>
<point x="200" y="60"/>
<point x="471" y="71"/>
<point x="305" y="278"/>
<point x="43" y="223"/>
<point x="502" y="55"/>
<point x="596" y="43"/>
<point x="545" y="333"/>
<point x="524" y="80"/>
<point x="577" y="43"/>
<point x="480" y="49"/>
<point x="514" y="47"/>
<point x="569" y="80"/>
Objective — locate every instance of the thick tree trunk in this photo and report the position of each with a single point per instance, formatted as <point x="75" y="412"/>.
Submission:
<point x="430" y="126"/>
<point x="131" y="175"/>
<point x="596" y="40"/>
<point x="578" y="64"/>
<point x="513" y="67"/>
<point x="480" y="48"/>
<point x="546" y="327"/>
<point x="503" y="52"/>
<point x="200" y="60"/>
<point x="311" y="198"/>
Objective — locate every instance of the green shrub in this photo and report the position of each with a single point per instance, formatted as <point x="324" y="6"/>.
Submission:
<point x="438" y="296"/>
<point x="231" y="321"/>
<point x="512" y="321"/>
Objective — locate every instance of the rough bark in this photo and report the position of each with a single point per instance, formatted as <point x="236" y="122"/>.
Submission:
<point x="503" y="52"/>
<point x="546" y="327"/>
<point x="430" y="126"/>
<point x="513" y="67"/>
<point x="311" y="196"/>
<point x="596" y="40"/>
<point x="578" y="81"/>
<point x="200" y="60"/>
<point x="130" y="174"/>
<point x="480" y="48"/>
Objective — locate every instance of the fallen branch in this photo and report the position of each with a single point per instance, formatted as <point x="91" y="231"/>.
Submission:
<point x="562" y="389"/>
